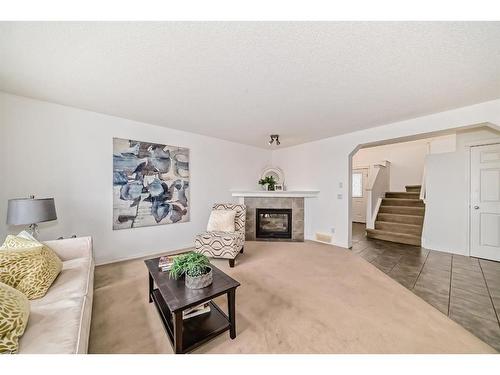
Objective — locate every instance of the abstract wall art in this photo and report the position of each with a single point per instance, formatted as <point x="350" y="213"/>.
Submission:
<point x="150" y="184"/>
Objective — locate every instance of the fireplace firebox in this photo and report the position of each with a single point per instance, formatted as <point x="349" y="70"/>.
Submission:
<point x="273" y="223"/>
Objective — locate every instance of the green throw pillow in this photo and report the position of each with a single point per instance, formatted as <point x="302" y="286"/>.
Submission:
<point x="14" y="313"/>
<point x="28" y="266"/>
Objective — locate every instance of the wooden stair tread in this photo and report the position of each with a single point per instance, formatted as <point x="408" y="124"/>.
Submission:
<point x="402" y="194"/>
<point x="404" y="210"/>
<point x="412" y="207"/>
<point x="402" y="202"/>
<point x="395" y="227"/>
<point x="393" y="222"/>
<point x="396" y="234"/>
<point x="402" y="215"/>
<point x="409" y="239"/>
<point x="400" y="218"/>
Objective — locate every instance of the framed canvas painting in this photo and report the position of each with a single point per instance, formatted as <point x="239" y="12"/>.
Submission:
<point x="150" y="184"/>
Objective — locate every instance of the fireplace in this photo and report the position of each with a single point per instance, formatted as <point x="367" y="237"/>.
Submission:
<point x="273" y="223"/>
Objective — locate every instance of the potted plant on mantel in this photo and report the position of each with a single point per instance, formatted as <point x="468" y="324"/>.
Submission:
<point x="268" y="183"/>
<point x="195" y="267"/>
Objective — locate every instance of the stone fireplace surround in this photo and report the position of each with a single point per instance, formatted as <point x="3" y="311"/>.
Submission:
<point x="294" y="200"/>
<point x="295" y="204"/>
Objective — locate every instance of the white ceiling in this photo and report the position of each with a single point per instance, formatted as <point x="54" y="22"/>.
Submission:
<point x="241" y="81"/>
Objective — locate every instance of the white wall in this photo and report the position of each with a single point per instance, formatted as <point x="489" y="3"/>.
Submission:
<point x="447" y="183"/>
<point x="66" y="153"/>
<point x="445" y="222"/>
<point x="407" y="161"/>
<point x="407" y="158"/>
<point x="324" y="165"/>
<point x="52" y="150"/>
<point x="3" y="178"/>
<point x="446" y="143"/>
<point x="472" y="135"/>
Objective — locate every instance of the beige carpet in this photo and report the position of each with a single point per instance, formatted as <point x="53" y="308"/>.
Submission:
<point x="294" y="298"/>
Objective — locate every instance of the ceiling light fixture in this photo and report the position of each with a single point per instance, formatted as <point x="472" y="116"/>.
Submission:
<point x="274" y="137"/>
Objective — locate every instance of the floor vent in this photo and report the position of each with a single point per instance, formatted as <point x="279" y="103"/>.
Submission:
<point x="323" y="237"/>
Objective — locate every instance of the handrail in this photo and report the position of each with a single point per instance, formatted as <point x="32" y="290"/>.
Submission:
<point x="423" y="188"/>
<point x="378" y="186"/>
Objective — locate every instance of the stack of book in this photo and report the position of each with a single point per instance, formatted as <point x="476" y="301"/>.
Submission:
<point x="203" y="308"/>
<point x="165" y="262"/>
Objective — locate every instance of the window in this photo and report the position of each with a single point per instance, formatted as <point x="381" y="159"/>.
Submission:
<point x="357" y="185"/>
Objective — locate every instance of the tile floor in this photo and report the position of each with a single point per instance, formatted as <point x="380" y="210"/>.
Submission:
<point x="464" y="288"/>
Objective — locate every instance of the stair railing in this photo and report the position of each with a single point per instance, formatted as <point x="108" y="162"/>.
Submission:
<point x="378" y="185"/>
<point x="422" y="186"/>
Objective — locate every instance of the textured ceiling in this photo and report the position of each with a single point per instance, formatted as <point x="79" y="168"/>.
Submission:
<point x="241" y="81"/>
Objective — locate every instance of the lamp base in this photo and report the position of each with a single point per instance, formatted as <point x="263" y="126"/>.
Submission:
<point x="33" y="230"/>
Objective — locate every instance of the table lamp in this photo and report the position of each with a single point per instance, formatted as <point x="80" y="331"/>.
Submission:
<point x="31" y="211"/>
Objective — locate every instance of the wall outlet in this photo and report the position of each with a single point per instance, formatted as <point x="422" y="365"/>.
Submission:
<point x="341" y="185"/>
<point x="332" y="230"/>
<point x="339" y="196"/>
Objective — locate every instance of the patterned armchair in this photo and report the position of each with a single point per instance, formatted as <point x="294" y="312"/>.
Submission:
<point x="226" y="245"/>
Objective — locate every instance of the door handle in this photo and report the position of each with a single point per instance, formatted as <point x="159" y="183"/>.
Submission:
<point x="476" y="207"/>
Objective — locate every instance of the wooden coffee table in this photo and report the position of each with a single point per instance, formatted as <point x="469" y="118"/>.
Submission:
<point x="171" y="298"/>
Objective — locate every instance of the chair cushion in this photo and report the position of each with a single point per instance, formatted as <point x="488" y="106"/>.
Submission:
<point x="221" y="221"/>
<point x="28" y="266"/>
<point x="14" y="313"/>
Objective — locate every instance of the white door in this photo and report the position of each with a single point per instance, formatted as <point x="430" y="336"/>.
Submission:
<point x="359" y="183"/>
<point x="485" y="202"/>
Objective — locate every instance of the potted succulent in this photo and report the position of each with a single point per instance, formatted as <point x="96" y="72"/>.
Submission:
<point x="268" y="183"/>
<point x="195" y="267"/>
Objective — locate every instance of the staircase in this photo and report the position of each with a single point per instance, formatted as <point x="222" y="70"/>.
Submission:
<point x="400" y="217"/>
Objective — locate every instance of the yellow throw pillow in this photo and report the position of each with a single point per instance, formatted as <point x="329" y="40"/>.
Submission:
<point x="28" y="266"/>
<point x="14" y="313"/>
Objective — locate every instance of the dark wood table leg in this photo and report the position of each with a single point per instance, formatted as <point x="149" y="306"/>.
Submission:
<point x="231" y="307"/>
<point x="178" y="332"/>
<point x="151" y="285"/>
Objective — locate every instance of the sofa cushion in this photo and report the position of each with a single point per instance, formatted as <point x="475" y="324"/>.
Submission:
<point x="28" y="266"/>
<point x="14" y="313"/>
<point x="73" y="281"/>
<point x="71" y="248"/>
<point x="53" y="327"/>
<point x="60" y="321"/>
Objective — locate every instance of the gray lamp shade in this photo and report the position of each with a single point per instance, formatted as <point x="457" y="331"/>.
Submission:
<point x="30" y="211"/>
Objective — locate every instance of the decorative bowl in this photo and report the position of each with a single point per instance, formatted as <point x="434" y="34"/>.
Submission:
<point x="199" y="282"/>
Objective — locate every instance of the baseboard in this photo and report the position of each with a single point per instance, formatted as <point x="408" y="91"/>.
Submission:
<point x="143" y="255"/>
<point x="323" y="242"/>
<point x="442" y="249"/>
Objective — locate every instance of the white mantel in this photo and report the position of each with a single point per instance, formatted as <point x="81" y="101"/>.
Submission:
<point x="275" y="194"/>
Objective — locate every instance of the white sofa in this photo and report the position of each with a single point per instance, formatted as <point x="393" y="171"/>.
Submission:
<point x="59" y="322"/>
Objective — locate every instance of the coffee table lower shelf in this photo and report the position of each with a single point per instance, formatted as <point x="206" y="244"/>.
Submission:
<point x="195" y="331"/>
